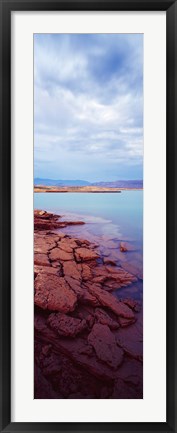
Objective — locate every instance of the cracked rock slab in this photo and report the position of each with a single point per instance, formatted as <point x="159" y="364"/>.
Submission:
<point x="65" y="325"/>
<point x="104" y="343"/>
<point x="108" y="300"/>
<point x="84" y="254"/>
<point x="102" y="317"/>
<point x="57" y="254"/>
<point x="53" y="293"/>
<point x="71" y="269"/>
<point x="41" y="259"/>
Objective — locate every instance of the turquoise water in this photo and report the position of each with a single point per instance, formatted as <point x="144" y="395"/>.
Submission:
<point x="123" y="210"/>
<point x="109" y="218"/>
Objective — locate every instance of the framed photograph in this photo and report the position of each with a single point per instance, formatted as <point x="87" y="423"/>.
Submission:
<point x="88" y="211"/>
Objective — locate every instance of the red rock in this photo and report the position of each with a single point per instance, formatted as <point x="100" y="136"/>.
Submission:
<point x="111" y="284"/>
<point x="50" y="238"/>
<point x="123" y="390"/>
<point x="104" y="318"/>
<point x="76" y="349"/>
<point x="57" y="254"/>
<point x="104" y="393"/>
<point x="39" y="212"/>
<point x="126" y="322"/>
<point x="104" y="343"/>
<point x="86" y="272"/>
<point x="46" y="224"/>
<point x="66" y="325"/>
<point x="46" y="349"/>
<point x="44" y="214"/>
<point x="112" y="277"/>
<point x="131" y="371"/>
<point x="84" y="297"/>
<point x="49" y="235"/>
<point x="99" y="279"/>
<point x="84" y="254"/>
<point x="67" y="242"/>
<point x="132" y="349"/>
<point x="91" y="264"/>
<point x="76" y="289"/>
<point x="65" y="245"/>
<point x="106" y="299"/>
<point x="90" y="320"/>
<point x="73" y="223"/>
<point x="72" y="269"/>
<point x="38" y="269"/>
<point x="86" y="350"/>
<point x="44" y="221"/>
<point x="40" y="324"/>
<point x="123" y="249"/>
<point x="131" y="339"/>
<point x="89" y="299"/>
<point x="81" y="242"/>
<point x="120" y="275"/>
<point x="56" y="265"/>
<point x="61" y="235"/>
<point x="84" y="311"/>
<point x="42" y="387"/>
<point x="49" y="362"/>
<point x="41" y="259"/>
<point x="134" y="305"/>
<point x="126" y="246"/>
<point x="107" y="261"/>
<point x="53" y="293"/>
<point x="42" y="244"/>
<point x="101" y="271"/>
<point x="75" y="286"/>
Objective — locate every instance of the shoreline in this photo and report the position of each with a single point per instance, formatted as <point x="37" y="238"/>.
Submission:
<point x="41" y="188"/>
<point x="86" y="339"/>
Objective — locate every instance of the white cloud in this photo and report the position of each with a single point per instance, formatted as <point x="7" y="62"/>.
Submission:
<point x="78" y="116"/>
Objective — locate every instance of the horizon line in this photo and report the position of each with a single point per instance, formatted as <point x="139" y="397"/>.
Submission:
<point x="117" y="180"/>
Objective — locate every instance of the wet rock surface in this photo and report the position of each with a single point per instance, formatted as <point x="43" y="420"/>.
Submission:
<point x="88" y="338"/>
<point x="105" y="345"/>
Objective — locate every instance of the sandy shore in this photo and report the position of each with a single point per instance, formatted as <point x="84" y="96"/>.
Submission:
<point x="93" y="189"/>
<point x="88" y="340"/>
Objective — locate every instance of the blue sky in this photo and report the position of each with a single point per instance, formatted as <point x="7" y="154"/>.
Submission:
<point x="88" y="106"/>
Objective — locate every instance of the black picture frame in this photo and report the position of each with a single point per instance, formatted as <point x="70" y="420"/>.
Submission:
<point x="6" y="7"/>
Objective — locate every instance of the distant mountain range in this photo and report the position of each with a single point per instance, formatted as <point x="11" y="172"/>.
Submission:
<point x="116" y="184"/>
<point x="121" y="184"/>
<point x="56" y="182"/>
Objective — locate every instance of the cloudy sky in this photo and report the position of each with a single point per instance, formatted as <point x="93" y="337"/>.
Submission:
<point x="88" y="106"/>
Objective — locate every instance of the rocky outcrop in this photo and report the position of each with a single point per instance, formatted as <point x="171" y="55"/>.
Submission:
<point x="72" y="269"/>
<point x="112" y="277"/>
<point x="103" y="317"/>
<point x="85" y="254"/>
<point x="66" y="325"/>
<point x="41" y="259"/>
<point x="88" y="340"/>
<point x="49" y="221"/>
<point x="53" y="293"/>
<point x="104" y="343"/>
<point x="107" y="300"/>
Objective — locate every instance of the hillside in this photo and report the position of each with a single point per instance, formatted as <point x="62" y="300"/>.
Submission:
<point x="123" y="184"/>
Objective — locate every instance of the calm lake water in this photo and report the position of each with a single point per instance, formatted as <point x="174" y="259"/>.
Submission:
<point x="111" y="217"/>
